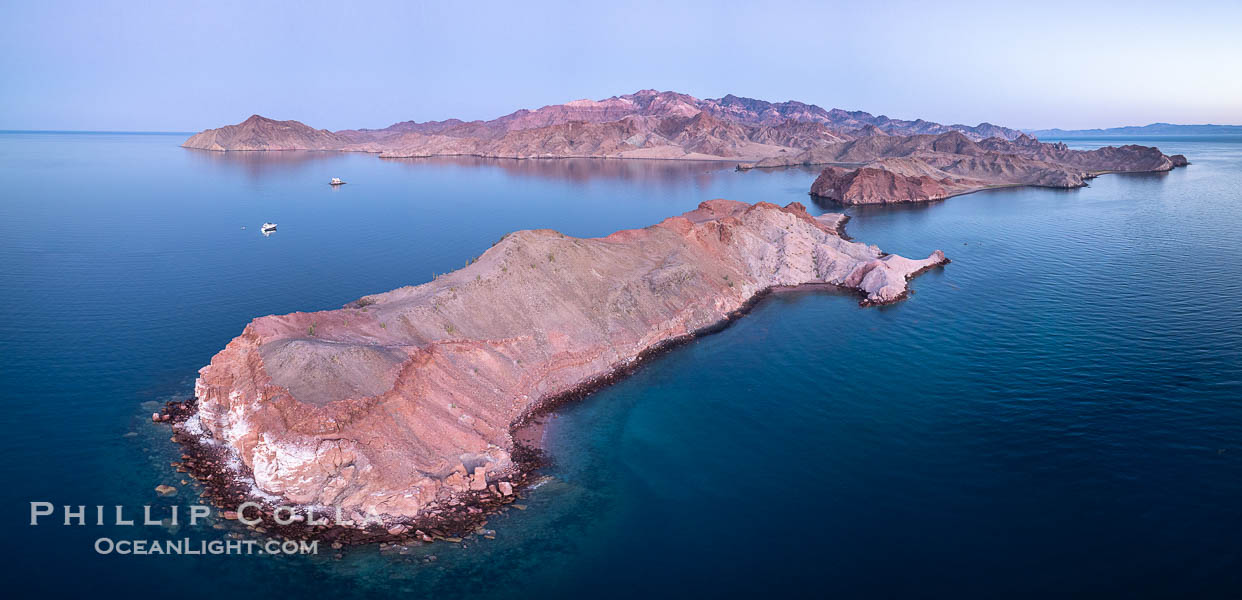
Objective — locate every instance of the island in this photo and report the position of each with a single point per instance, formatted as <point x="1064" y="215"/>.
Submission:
<point x="409" y="406"/>
<point x="870" y="159"/>
<point x="645" y="124"/>
<point x="920" y="168"/>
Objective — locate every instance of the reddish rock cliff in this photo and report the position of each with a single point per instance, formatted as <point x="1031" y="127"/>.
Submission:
<point x="877" y="186"/>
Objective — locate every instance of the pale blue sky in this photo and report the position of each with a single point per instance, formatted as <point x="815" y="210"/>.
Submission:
<point x="190" y="65"/>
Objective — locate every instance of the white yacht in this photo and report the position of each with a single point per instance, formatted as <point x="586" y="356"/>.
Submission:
<point x="336" y="181"/>
<point x="268" y="227"/>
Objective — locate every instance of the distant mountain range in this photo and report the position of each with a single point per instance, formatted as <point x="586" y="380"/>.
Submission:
<point x="645" y="124"/>
<point x="731" y="108"/>
<point x="1135" y="130"/>
<point x="872" y="159"/>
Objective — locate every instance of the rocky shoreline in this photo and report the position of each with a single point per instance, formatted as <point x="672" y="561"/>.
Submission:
<point x="228" y="485"/>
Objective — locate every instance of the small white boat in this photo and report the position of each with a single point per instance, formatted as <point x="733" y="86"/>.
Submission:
<point x="336" y="181"/>
<point x="268" y="227"/>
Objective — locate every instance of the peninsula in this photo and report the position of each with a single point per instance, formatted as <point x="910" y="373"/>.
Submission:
<point x="405" y="404"/>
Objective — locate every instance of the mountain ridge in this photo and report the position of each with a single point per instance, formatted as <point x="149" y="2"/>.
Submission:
<point x="764" y="121"/>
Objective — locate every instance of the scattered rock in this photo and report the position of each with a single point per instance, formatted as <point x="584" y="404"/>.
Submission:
<point x="165" y="490"/>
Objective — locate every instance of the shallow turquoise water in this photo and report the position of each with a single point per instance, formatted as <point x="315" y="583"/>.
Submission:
<point x="1059" y="411"/>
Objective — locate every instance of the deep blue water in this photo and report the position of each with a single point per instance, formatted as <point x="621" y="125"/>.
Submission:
<point x="1056" y="413"/>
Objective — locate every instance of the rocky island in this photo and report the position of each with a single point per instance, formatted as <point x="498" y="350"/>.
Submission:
<point x="406" y="404"/>
<point x="919" y="168"/>
<point x="873" y="159"/>
<point x="645" y="124"/>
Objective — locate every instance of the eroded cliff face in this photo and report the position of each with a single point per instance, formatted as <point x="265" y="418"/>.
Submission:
<point x="877" y="186"/>
<point x="407" y="398"/>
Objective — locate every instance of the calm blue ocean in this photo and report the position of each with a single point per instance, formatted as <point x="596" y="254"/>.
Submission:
<point x="1056" y="413"/>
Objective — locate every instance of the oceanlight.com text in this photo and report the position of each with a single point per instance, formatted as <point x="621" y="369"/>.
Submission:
<point x="188" y="547"/>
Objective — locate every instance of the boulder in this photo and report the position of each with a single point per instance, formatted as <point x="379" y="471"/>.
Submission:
<point x="478" y="482"/>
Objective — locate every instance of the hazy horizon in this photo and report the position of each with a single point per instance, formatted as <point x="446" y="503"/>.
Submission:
<point x="190" y="131"/>
<point x="240" y="119"/>
<point x="109" y="66"/>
